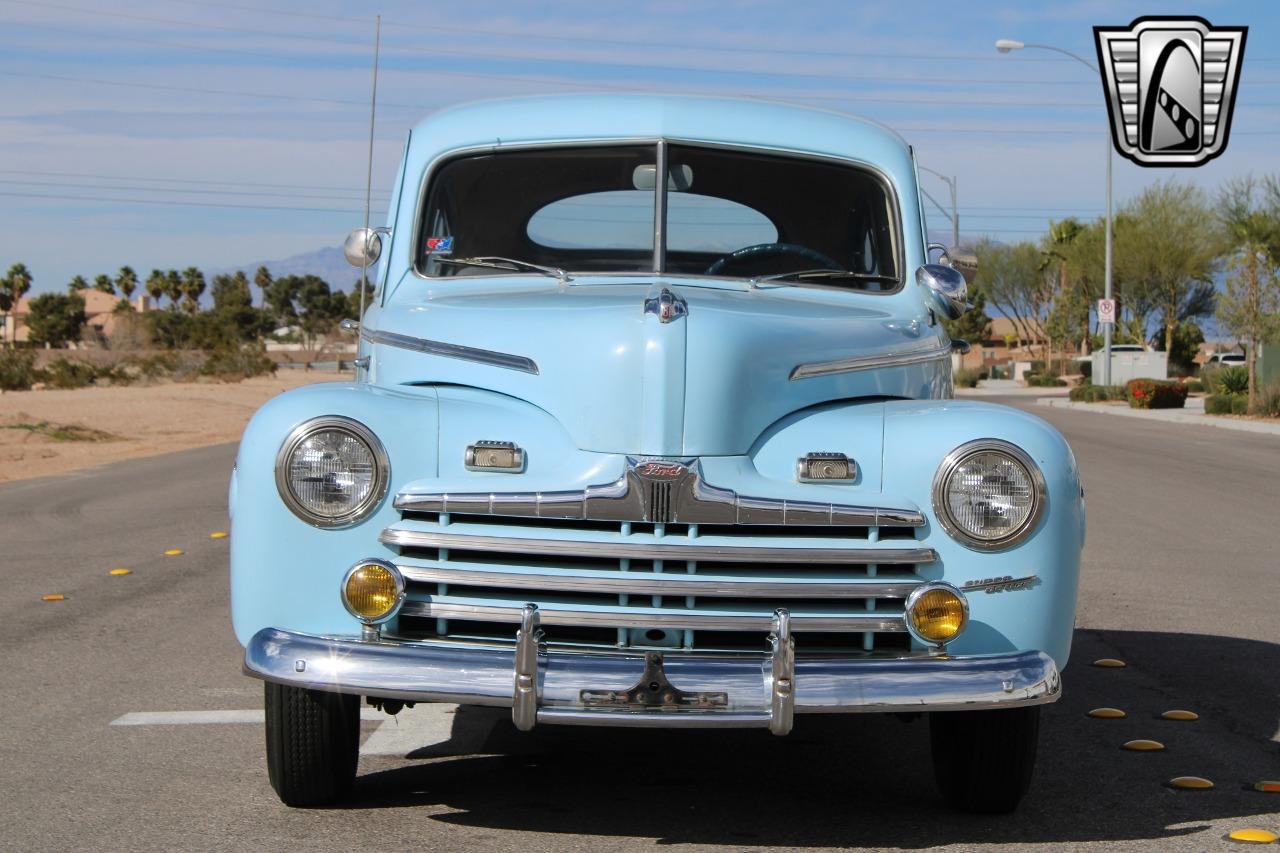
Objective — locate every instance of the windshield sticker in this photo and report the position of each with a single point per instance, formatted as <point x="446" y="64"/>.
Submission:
<point x="439" y="245"/>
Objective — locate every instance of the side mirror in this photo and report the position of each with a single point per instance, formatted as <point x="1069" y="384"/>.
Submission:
<point x="958" y="259"/>
<point x="363" y="247"/>
<point x="948" y="288"/>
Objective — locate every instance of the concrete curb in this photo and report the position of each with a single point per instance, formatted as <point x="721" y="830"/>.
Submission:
<point x="1173" y="416"/>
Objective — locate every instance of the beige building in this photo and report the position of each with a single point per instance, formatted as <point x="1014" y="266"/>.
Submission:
<point x="1002" y="345"/>
<point x="99" y="311"/>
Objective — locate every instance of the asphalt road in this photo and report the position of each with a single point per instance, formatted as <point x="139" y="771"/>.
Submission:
<point x="1181" y="580"/>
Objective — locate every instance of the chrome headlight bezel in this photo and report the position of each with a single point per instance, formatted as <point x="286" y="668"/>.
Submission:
<point x="941" y="480"/>
<point x="356" y="430"/>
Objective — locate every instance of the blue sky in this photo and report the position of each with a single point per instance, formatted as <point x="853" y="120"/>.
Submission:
<point x="165" y="134"/>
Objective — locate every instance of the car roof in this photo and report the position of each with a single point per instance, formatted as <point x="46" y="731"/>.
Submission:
<point x="730" y="121"/>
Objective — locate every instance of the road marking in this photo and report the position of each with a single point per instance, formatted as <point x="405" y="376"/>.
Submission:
<point x="199" y="718"/>
<point x="413" y="729"/>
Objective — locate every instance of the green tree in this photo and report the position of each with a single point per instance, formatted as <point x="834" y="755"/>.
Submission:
<point x="262" y="278"/>
<point x="156" y="286"/>
<point x="126" y="282"/>
<point x="1187" y="337"/>
<point x="193" y="286"/>
<point x="1249" y="306"/>
<point x="16" y="284"/>
<point x="56" y="318"/>
<point x="321" y="307"/>
<point x="173" y="288"/>
<point x="279" y="298"/>
<point x="1013" y="282"/>
<point x="233" y="307"/>
<point x="77" y="285"/>
<point x="104" y="284"/>
<point x="1170" y="254"/>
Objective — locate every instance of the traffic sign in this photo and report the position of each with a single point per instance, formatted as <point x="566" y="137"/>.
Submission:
<point x="1107" y="311"/>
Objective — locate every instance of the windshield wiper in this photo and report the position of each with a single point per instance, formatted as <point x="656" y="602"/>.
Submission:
<point x="820" y="273"/>
<point x="497" y="263"/>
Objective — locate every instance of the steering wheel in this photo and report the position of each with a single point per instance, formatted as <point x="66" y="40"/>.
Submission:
<point x="771" y="250"/>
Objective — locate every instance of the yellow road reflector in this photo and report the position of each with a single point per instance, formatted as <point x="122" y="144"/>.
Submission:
<point x="1191" y="782"/>
<point x="173" y="552"/>
<point x="54" y="596"/>
<point x="218" y="534"/>
<point x="1267" y="787"/>
<point x="1142" y="745"/>
<point x="1187" y="716"/>
<point x="1254" y="836"/>
<point x="1109" y="662"/>
<point x="120" y="572"/>
<point x="1108" y="713"/>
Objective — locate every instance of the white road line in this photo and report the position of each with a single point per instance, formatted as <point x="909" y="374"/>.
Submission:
<point x="197" y="718"/>
<point x="412" y="729"/>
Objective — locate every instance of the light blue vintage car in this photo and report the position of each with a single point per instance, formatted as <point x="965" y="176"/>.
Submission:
<point x="652" y="426"/>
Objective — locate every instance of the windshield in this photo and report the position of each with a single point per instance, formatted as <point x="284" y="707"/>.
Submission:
<point x="592" y="209"/>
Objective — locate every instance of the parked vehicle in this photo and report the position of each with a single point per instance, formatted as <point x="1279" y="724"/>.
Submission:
<point x="1227" y="359"/>
<point x="653" y="427"/>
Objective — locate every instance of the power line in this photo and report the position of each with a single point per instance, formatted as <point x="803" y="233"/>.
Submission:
<point x="193" y="191"/>
<point x="178" y="180"/>
<point x="48" y="197"/>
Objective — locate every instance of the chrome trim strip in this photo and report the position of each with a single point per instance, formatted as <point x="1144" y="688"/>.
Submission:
<point x="648" y="583"/>
<point x="652" y="617"/>
<point x="871" y="362"/>
<point x="481" y="675"/>
<point x="654" y="719"/>
<point x="652" y="551"/>
<point x="446" y="350"/>
<point x="666" y="491"/>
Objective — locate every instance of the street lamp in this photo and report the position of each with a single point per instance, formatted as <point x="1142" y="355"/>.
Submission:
<point x="1007" y="45"/>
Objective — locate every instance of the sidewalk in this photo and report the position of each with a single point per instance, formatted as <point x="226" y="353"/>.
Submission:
<point x="1192" y="414"/>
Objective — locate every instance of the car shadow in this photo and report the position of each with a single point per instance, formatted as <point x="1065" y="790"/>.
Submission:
<point x="867" y="780"/>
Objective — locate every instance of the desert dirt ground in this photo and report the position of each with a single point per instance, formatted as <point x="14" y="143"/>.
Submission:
<point x="52" y="432"/>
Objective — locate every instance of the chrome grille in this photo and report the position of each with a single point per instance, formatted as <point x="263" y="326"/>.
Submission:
<point x="611" y="584"/>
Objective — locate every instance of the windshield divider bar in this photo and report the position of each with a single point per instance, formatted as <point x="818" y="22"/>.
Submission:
<point x="660" y="209"/>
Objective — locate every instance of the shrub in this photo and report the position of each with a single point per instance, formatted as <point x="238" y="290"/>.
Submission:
<point x="1239" y="404"/>
<point x="1096" y="393"/>
<point x="17" y="370"/>
<point x="967" y="378"/>
<point x="1036" y="380"/>
<point x="232" y="364"/>
<point x="1269" y="401"/>
<point x="1155" y="394"/>
<point x="1081" y="394"/>
<point x="1233" y="380"/>
<point x="1194" y="386"/>
<point x="65" y="373"/>
<point x="1217" y="404"/>
<point x="1086" y="368"/>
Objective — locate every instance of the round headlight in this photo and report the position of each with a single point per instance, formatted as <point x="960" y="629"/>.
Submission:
<point x="373" y="590"/>
<point x="332" y="471"/>
<point x="988" y="494"/>
<point x="936" y="613"/>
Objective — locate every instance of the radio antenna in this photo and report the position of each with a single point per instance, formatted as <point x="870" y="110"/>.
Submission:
<point x="368" y="177"/>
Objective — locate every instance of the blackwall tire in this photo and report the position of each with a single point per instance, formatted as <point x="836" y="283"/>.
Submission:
<point x="983" y="760"/>
<point x="313" y="744"/>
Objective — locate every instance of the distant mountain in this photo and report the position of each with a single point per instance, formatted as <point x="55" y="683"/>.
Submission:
<point x="328" y="263"/>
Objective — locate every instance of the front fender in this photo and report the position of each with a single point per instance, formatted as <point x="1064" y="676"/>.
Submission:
<point x="918" y="435"/>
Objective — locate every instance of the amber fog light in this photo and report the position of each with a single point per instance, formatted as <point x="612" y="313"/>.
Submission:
<point x="373" y="591"/>
<point x="936" y="613"/>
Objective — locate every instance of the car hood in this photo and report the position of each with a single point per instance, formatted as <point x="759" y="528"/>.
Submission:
<point x="621" y="380"/>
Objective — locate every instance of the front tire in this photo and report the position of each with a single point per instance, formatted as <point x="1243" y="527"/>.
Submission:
<point x="313" y="744"/>
<point x="983" y="760"/>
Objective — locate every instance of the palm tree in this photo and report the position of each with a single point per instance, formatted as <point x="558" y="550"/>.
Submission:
<point x="173" y="288"/>
<point x="77" y="285"/>
<point x="105" y="284"/>
<point x="16" y="284"/>
<point x="262" y="278"/>
<point x="192" y="287"/>
<point x="156" y="285"/>
<point x="126" y="281"/>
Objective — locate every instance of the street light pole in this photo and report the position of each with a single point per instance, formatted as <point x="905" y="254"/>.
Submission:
<point x="1006" y="45"/>
<point x="955" y="211"/>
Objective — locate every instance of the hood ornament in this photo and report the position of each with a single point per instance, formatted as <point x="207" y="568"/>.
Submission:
<point x="666" y="306"/>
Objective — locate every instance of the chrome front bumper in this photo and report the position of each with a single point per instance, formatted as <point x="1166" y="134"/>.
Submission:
<point x="600" y="688"/>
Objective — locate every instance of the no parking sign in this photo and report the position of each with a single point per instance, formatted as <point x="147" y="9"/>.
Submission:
<point x="1107" y="311"/>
